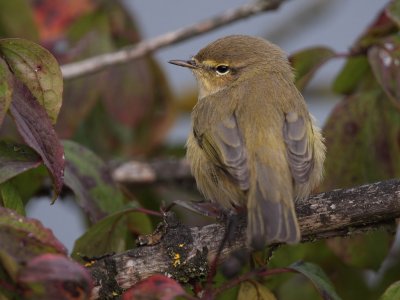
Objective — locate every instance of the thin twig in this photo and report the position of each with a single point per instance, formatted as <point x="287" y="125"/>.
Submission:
<point x="124" y="55"/>
<point x="149" y="212"/>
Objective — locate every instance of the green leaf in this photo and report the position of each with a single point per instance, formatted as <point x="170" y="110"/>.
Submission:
<point x="352" y="251"/>
<point x="16" y="159"/>
<point x="393" y="12"/>
<point x="139" y="223"/>
<point x="9" y="265"/>
<point x="5" y="89"/>
<point x="11" y="198"/>
<point x="38" y="70"/>
<point x="252" y="290"/>
<point x="90" y="179"/>
<point x="362" y="139"/>
<point x="16" y="20"/>
<point x="316" y="252"/>
<point x="3" y="297"/>
<point x="105" y="237"/>
<point x="307" y="62"/>
<point x="30" y="182"/>
<point x="318" y="278"/>
<point x="351" y="75"/>
<point x="392" y="292"/>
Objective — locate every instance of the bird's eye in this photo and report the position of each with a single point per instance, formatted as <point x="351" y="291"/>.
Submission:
<point x="222" y="69"/>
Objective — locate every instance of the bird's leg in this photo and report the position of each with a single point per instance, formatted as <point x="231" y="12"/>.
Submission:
<point x="232" y="219"/>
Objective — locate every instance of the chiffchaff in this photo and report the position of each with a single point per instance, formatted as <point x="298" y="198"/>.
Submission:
<point x="253" y="142"/>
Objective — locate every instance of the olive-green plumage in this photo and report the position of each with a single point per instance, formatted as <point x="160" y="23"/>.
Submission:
<point x="253" y="141"/>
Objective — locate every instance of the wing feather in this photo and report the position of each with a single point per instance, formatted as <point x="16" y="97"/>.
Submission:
<point x="299" y="148"/>
<point x="223" y="143"/>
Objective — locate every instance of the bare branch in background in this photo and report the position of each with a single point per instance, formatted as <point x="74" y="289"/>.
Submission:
<point x="183" y="253"/>
<point x="136" y="172"/>
<point x="96" y="63"/>
<point x="306" y="16"/>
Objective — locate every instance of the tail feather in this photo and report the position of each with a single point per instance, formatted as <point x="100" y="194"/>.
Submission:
<point x="293" y="228"/>
<point x="271" y="215"/>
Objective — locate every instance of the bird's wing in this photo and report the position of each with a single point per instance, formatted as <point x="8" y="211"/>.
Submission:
<point x="299" y="148"/>
<point x="223" y="144"/>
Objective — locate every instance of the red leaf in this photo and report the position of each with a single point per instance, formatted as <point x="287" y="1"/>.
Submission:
<point x="22" y="238"/>
<point x="53" y="17"/>
<point x="382" y="25"/>
<point x="52" y="276"/>
<point x="156" y="287"/>
<point x="35" y="127"/>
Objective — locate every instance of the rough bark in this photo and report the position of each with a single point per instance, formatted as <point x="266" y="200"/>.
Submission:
<point x="184" y="252"/>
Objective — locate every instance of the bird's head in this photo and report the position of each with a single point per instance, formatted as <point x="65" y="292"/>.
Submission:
<point x="231" y="59"/>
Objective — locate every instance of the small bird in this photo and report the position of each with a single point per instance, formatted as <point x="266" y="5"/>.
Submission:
<point x="253" y="143"/>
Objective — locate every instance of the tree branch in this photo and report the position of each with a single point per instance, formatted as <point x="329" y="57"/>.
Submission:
<point x="136" y="172"/>
<point x="184" y="253"/>
<point x="96" y="63"/>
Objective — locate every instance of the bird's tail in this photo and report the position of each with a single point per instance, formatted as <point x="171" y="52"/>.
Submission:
<point x="270" y="212"/>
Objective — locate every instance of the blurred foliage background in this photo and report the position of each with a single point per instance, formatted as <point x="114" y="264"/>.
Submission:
<point x="126" y="111"/>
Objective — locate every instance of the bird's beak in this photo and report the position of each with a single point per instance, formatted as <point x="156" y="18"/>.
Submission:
<point x="184" y="63"/>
